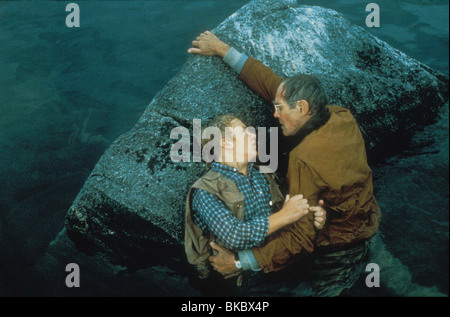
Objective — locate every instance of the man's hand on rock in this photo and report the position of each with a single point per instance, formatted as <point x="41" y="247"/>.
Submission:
<point x="208" y="44"/>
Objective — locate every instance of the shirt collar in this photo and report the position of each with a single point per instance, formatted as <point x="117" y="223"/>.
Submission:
<point x="219" y="167"/>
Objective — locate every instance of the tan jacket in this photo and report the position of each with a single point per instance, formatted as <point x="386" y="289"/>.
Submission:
<point x="330" y="164"/>
<point x="196" y="243"/>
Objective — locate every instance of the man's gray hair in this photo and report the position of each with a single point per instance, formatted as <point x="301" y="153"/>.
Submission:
<point x="305" y="87"/>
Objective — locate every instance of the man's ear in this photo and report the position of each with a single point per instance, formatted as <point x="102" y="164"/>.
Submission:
<point x="303" y="107"/>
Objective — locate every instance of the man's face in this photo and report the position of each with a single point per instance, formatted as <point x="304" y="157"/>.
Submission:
<point x="290" y="119"/>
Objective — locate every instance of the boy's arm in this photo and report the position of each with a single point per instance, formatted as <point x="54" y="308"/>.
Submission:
<point x="210" y="212"/>
<point x="296" y="239"/>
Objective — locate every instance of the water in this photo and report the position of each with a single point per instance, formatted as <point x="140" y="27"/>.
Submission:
<point x="66" y="94"/>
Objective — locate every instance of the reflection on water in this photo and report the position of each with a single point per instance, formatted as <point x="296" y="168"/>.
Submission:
<point x="66" y="94"/>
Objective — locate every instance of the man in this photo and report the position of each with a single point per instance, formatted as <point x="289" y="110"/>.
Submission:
<point x="233" y="202"/>
<point x="328" y="162"/>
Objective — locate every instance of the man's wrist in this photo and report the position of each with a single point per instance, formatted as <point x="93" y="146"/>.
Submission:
<point x="248" y="261"/>
<point x="235" y="59"/>
<point x="223" y="50"/>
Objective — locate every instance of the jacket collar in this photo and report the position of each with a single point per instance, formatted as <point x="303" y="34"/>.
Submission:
<point x="225" y="169"/>
<point x="313" y="124"/>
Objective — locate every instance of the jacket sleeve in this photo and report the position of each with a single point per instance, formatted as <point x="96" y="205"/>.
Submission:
<point x="299" y="237"/>
<point x="260" y="78"/>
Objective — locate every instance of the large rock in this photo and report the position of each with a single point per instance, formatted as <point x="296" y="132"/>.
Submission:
<point x="131" y="206"/>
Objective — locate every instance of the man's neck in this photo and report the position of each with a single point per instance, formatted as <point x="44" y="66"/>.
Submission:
<point x="313" y="123"/>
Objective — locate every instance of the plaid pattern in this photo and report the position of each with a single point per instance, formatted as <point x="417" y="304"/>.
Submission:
<point x="211" y="214"/>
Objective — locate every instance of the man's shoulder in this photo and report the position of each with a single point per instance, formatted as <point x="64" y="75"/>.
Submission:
<point x="340" y="131"/>
<point x="339" y="111"/>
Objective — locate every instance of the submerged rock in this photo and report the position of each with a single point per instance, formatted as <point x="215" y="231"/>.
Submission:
<point x="132" y="205"/>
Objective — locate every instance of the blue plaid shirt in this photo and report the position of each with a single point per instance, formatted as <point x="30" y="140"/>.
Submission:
<point x="211" y="214"/>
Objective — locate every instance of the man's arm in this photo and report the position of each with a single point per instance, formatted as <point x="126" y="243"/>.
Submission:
<point x="223" y="261"/>
<point x="300" y="236"/>
<point x="211" y="212"/>
<point x="295" y="239"/>
<point x="260" y="78"/>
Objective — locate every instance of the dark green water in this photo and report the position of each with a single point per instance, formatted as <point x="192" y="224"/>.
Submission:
<point x="66" y="94"/>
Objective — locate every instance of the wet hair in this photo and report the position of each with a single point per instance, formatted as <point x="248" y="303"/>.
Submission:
<point x="305" y="87"/>
<point x="221" y="122"/>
